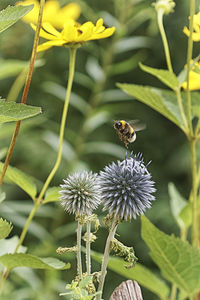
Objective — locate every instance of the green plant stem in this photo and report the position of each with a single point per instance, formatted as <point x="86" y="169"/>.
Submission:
<point x="17" y="86"/>
<point x="195" y="209"/>
<point x="173" y="292"/>
<point x="25" y="92"/>
<point x="88" y="257"/>
<point x="72" y="58"/>
<point x="106" y="257"/>
<point x="164" y="39"/>
<point x="28" y="221"/>
<point x="189" y="57"/>
<point x="180" y="104"/>
<point x="79" y="263"/>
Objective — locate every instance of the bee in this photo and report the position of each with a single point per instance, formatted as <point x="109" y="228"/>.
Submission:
<point x="127" y="130"/>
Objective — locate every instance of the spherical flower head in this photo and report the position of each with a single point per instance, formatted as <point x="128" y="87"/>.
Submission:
<point x="167" y="6"/>
<point x="126" y="188"/>
<point x="80" y="193"/>
<point x="52" y="12"/>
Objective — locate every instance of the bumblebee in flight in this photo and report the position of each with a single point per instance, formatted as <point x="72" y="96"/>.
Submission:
<point x="127" y="130"/>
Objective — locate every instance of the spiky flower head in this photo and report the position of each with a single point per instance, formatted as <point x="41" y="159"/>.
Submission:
<point x="80" y="193"/>
<point x="126" y="188"/>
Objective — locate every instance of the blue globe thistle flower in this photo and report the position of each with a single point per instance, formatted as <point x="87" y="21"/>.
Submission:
<point x="126" y="188"/>
<point x="80" y="193"/>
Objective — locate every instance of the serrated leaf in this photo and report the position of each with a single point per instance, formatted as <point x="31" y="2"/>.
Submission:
<point x="52" y="194"/>
<point x="177" y="204"/>
<point x="5" y="228"/>
<point x="25" y="182"/>
<point x="139" y="273"/>
<point x="165" y="76"/>
<point x="177" y="259"/>
<point x="15" y="260"/>
<point x="11" y="111"/>
<point x="12" y="14"/>
<point x="161" y="100"/>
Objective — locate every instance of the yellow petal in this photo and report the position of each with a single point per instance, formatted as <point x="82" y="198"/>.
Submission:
<point x="48" y="45"/>
<point x="50" y="29"/>
<point x="106" y="33"/>
<point x="194" y="83"/>
<point x="32" y="16"/>
<point x="44" y="34"/>
<point x="69" y="33"/>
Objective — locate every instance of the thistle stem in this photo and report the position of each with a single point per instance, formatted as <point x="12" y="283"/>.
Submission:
<point x="72" y="58"/>
<point x="25" y="92"/>
<point x="106" y="257"/>
<point x="79" y="263"/>
<point x="88" y="257"/>
<point x="189" y="57"/>
<point x="164" y="39"/>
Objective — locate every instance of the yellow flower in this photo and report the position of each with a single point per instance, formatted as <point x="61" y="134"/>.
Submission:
<point x="196" y="32"/>
<point x="194" y="79"/>
<point x="52" y="12"/>
<point x="73" y="33"/>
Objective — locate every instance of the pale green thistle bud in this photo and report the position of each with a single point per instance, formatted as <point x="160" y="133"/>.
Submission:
<point x="166" y="6"/>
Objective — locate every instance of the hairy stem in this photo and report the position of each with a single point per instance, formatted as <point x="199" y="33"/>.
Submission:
<point x="106" y="257"/>
<point x="88" y="257"/>
<point x="25" y="92"/>
<point x="164" y="40"/>
<point x="72" y="58"/>
<point x="79" y="262"/>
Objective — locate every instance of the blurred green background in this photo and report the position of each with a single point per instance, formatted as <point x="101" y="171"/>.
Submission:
<point x="90" y="140"/>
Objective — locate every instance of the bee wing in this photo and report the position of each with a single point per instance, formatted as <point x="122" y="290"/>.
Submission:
<point x="137" y="125"/>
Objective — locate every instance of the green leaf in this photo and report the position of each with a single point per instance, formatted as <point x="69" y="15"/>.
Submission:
<point x="5" y="228"/>
<point x="15" y="260"/>
<point x="9" y="245"/>
<point x="11" y="67"/>
<point x="12" y="14"/>
<point x="177" y="259"/>
<point x="85" y="281"/>
<point x="52" y="194"/>
<point x="186" y="214"/>
<point x="178" y="203"/>
<point x="96" y="120"/>
<point x="104" y="148"/>
<point x="25" y="182"/>
<point x="162" y="101"/>
<point x="11" y="111"/>
<point x="167" y="77"/>
<point x="139" y="273"/>
<point x="2" y="196"/>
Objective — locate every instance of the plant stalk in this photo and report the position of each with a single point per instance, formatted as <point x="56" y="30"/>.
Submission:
<point x="25" y="92"/>
<point x="88" y="257"/>
<point x="106" y="258"/>
<point x="164" y="39"/>
<point x="79" y="262"/>
<point x="72" y="58"/>
<point x="189" y="57"/>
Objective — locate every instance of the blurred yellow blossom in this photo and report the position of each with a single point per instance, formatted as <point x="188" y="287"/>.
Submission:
<point x="196" y="31"/>
<point x="52" y="12"/>
<point x="72" y="33"/>
<point x="194" y="78"/>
